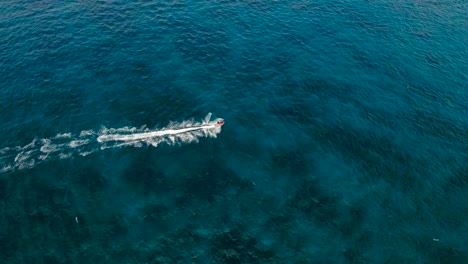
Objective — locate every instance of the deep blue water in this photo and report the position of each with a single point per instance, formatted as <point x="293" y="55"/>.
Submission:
<point x="346" y="135"/>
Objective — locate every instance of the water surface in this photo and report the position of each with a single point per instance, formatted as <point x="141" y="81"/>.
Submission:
<point x="345" y="138"/>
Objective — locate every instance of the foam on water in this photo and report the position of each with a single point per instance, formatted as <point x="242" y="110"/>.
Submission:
<point x="66" y="145"/>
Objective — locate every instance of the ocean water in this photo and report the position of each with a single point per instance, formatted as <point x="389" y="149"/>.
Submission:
<point x="346" y="134"/>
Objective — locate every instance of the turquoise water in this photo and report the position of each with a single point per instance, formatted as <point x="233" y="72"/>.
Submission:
<point x="346" y="135"/>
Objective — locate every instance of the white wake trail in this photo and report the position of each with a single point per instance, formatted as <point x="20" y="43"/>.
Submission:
<point x="66" y="145"/>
